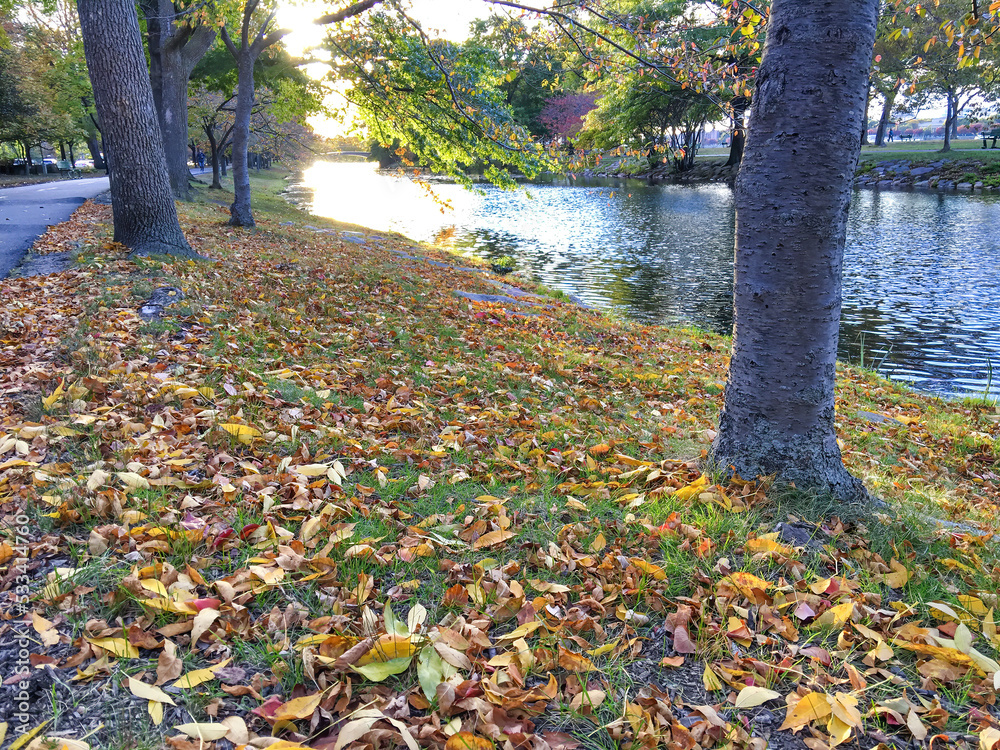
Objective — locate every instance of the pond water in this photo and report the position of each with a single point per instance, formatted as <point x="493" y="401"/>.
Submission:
<point x="921" y="274"/>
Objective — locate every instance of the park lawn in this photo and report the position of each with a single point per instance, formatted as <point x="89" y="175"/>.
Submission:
<point x="325" y="498"/>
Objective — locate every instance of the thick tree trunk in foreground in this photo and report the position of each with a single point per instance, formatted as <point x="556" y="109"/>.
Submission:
<point x="792" y="196"/>
<point x="145" y="216"/>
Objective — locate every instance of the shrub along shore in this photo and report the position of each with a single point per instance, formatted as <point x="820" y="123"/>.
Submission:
<point x="337" y="490"/>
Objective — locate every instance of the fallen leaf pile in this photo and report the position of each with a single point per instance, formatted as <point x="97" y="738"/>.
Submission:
<point x="326" y="503"/>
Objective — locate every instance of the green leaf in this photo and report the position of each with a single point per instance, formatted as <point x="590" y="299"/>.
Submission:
<point x="393" y="625"/>
<point x="379" y="670"/>
<point x="432" y="670"/>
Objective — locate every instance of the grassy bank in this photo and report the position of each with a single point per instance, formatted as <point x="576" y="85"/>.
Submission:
<point x="325" y="497"/>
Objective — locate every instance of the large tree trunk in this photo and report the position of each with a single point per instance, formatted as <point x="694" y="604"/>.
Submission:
<point x="240" y="213"/>
<point x="739" y="133"/>
<point x="145" y="216"/>
<point x="792" y="196"/>
<point x="174" y="50"/>
<point x="883" y="120"/>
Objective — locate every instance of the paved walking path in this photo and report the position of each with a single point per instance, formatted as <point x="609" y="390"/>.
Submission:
<point x="27" y="211"/>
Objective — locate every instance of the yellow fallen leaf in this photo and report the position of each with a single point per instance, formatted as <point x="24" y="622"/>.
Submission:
<point x="155" y="709"/>
<point x="521" y="631"/>
<point x="710" y="680"/>
<point x="649" y="568"/>
<point x="899" y="576"/>
<point x="133" y="480"/>
<point x="605" y="649"/>
<point x="973" y="604"/>
<point x="469" y="741"/>
<point x="754" y="695"/>
<point x="811" y="707"/>
<point x="149" y="692"/>
<point x="845" y="708"/>
<point x="990" y="628"/>
<point x="49" y="401"/>
<point x="692" y="490"/>
<point x="203" y="730"/>
<point x="836" y="616"/>
<point x="311" y="470"/>
<point x="298" y="708"/>
<point x="198" y="676"/>
<point x="25" y="738"/>
<point x="838" y="731"/>
<point x="768" y="543"/>
<point x="118" y="646"/>
<point x="242" y="432"/>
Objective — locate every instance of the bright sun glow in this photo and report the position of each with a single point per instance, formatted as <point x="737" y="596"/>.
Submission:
<point x="447" y="18"/>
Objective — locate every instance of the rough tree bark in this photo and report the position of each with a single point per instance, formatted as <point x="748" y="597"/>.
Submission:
<point x="792" y="196"/>
<point x="174" y="49"/>
<point x="145" y="216"/>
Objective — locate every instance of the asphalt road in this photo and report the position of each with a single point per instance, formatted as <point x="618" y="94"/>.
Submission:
<point x="26" y="212"/>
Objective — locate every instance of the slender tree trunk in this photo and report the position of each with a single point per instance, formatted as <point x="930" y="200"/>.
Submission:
<point x="145" y="216"/>
<point x="949" y="121"/>
<point x="174" y="50"/>
<point x="95" y="152"/>
<point x="213" y="147"/>
<point x="792" y="196"/>
<point x="240" y="213"/>
<point x="738" y="139"/>
<point x="868" y="101"/>
<point x="883" y="120"/>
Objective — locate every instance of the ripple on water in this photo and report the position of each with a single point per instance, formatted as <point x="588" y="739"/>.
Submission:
<point x="921" y="270"/>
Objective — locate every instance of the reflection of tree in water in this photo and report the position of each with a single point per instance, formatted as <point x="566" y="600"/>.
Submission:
<point x="653" y="294"/>
<point x="489" y="243"/>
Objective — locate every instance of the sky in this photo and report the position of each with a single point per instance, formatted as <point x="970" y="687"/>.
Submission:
<point x="450" y="17"/>
<point x="447" y="18"/>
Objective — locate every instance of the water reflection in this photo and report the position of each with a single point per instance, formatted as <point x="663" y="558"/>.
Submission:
<point x="921" y="281"/>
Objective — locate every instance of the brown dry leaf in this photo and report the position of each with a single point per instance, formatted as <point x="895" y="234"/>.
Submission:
<point x="493" y="538"/>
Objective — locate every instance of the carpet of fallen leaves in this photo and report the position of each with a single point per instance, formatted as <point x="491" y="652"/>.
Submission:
<point x="323" y="502"/>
